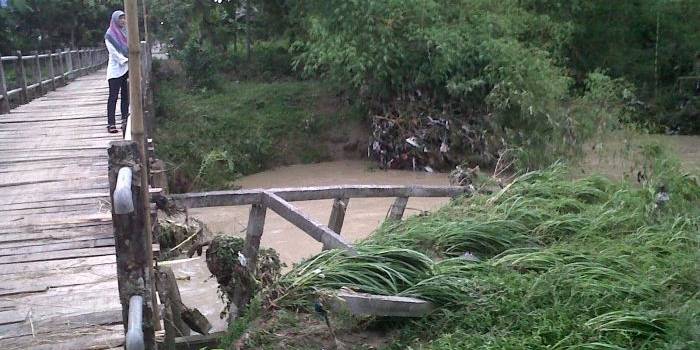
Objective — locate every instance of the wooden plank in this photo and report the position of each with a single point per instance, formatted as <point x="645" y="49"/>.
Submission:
<point x="64" y="323"/>
<point x="197" y="342"/>
<point x="246" y="197"/>
<point x="35" y="266"/>
<point x="335" y="222"/>
<point x="254" y="231"/>
<point x="317" y="231"/>
<point x="45" y="248"/>
<point x="382" y="305"/>
<point x="56" y="255"/>
<point x="397" y="209"/>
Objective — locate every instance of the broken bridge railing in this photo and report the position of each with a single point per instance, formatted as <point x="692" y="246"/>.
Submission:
<point x="280" y="201"/>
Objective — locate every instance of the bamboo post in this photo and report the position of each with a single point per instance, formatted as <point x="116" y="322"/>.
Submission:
<point x="52" y="71"/>
<point x="132" y="237"/>
<point x="22" y="78"/>
<point x="397" y="209"/>
<point x="37" y="73"/>
<point x="5" y="103"/>
<point x="335" y="222"/>
<point x="136" y="111"/>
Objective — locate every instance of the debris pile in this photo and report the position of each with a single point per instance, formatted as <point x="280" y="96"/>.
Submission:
<point x="178" y="233"/>
<point x="429" y="143"/>
<point x="237" y="284"/>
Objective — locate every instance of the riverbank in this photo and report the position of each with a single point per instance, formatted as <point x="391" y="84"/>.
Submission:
<point x="210" y="138"/>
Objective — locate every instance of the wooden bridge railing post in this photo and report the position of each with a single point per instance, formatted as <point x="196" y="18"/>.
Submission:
<point x="62" y="65"/>
<point x="52" y="70"/>
<point x="335" y="222"/>
<point x="397" y="209"/>
<point x="37" y="74"/>
<point x="22" y="78"/>
<point x="5" y="103"/>
<point x="69" y="64"/>
<point x="131" y="236"/>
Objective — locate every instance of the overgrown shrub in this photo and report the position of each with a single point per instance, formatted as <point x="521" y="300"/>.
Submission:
<point x="489" y="63"/>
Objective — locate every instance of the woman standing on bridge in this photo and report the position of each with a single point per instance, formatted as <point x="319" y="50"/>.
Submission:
<point x="117" y="68"/>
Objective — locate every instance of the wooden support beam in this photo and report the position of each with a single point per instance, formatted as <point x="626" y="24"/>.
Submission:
<point x="132" y="242"/>
<point x="136" y="116"/>
<point x="335" y="222"/>
<point x="397" y="209"/>
<point x="323" y="234"/>
<point x="254" y="231"/>
<point x="170" y="297"/>
<point x="382" y="305"/>
<point x="246" y="197"/>
<point x="198" y="342"/>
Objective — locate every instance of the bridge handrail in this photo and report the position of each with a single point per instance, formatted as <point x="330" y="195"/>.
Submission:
<point x="68" y="65"/>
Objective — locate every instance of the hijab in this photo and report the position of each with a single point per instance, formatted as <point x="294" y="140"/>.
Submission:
<point x="116" y="35"/>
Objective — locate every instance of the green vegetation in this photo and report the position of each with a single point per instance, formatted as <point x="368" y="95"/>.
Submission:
<point x="584" y="264"/>
<point x="51" y="24"/>
<point x="211" y="137"/>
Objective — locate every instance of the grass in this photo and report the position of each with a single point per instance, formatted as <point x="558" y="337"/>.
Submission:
<point x="210" y="138"/>
<point x="564" y="264"/>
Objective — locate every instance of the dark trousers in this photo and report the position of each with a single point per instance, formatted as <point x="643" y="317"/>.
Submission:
<point x="116" y="84"/>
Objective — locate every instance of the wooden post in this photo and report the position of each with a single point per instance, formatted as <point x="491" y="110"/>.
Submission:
<point x="254" y="231"/>
<point x="5" y="103"/>
<point x="136" y="110"/>
<point x="171" y="299"/>
<point x="397" y="209"/>
<point x="62" y="66"/>
<point x="69" y="65"/>
<point x="335" y="222"/>
<point x="52" y="71"/>
<point x="132" y="241"/>
<point x="22" y="78"/>
<point x="40" y="88"/>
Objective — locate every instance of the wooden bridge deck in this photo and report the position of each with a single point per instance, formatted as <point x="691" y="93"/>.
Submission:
<point x="58" y="286"/>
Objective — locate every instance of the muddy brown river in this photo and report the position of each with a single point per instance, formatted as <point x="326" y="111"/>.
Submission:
<point x="363" y="215"/>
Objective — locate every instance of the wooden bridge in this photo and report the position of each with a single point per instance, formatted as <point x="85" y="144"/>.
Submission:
<point x="76" y="254"/>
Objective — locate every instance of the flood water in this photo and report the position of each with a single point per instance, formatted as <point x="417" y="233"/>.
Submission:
<point x="363" y="215"/>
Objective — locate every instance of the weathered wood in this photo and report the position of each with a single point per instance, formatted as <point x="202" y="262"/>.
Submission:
<point x="199" y="341"/>
<point x="37" y="74"/>
<point x="56" y="255"/>
<point x="246" y="197"/>
<point x="5" y="102"/>
<point x="132" y="242"/>
<point x="335" y="222"/>
<point x="62" y="63"/>
<point x="22" y="78"/>
<point x="382" y="305"/>
<point x="254" y="231"/>
<point x="321" y="233"/>
<point x="397" y="209"/>
<point x="52" y="71"/>
<point x="170" y="296"/>
<point x="195" y="320"/>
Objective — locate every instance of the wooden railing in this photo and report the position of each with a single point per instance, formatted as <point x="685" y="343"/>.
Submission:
<point x="35" y="74"/>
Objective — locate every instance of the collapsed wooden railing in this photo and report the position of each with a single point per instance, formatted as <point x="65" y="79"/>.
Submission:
<point x="58" y="68"/>
<point x="280" y="201"/>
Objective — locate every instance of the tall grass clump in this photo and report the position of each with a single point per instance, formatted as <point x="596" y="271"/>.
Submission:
<point x="560" y="264"/>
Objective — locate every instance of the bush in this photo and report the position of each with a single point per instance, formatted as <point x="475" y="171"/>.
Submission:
<point x="201" y="63"/>
<point x="489" y="63"/>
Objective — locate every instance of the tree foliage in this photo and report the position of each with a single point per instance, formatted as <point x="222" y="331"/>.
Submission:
<point x="50" y="24"/>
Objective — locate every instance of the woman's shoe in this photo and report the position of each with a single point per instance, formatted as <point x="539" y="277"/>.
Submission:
<point x="112" y="129"/>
